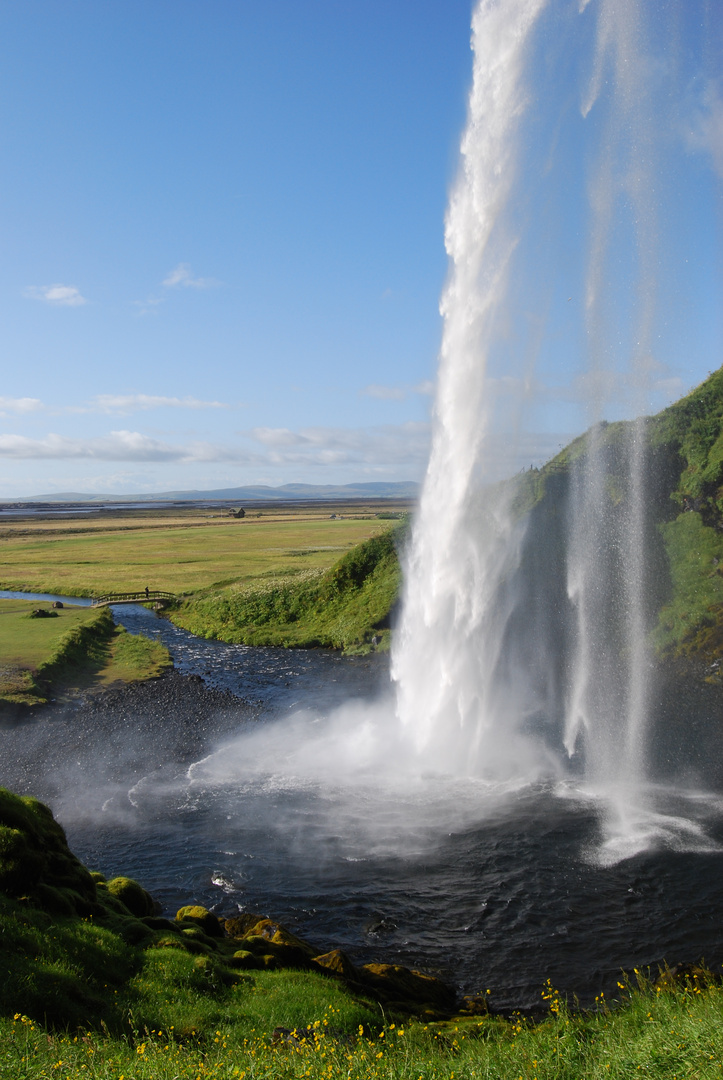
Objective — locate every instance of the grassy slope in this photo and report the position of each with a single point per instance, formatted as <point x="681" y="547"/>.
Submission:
<point x="78" y="646"/>
<point x="94" y="985"/>
<point x="342" y="608"/>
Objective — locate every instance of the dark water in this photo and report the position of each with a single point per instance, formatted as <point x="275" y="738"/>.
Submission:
<point x="491" y="888"/>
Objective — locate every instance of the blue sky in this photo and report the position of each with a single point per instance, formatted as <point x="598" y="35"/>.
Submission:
<point x="222" y="241"/>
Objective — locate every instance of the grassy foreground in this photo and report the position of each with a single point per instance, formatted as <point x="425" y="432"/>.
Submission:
<point x="95" y="984"/>
<point x="70" y="646"/>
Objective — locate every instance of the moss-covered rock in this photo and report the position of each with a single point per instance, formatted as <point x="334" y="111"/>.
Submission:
<point x="338" y="963"/>
<point x="35" y="860"/>
<point x="402" y="985"/>
<point x="202" y="917"/>
<point x="132" y="895"/>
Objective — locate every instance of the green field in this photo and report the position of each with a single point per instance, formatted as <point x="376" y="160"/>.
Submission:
<point x="182" y="552"/>
<point x="76" y="647"/>
<point x="29" y="641"/>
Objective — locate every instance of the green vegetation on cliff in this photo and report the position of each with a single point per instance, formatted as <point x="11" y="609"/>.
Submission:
<point x="342" y="607"/>
<point x="690" y="433"/>
<point x="96" y="984"/>
<point x="683" y="495"/>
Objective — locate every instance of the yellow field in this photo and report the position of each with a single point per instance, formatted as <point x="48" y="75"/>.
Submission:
<point x="179" y="550"/>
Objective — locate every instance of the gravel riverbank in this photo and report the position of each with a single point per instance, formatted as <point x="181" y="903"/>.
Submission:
<point x="116" y="736"/>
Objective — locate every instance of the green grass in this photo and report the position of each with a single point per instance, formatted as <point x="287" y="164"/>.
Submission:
<point x="344" y="607"/>
<point x="40" y="654"/>
<point x="32" y="641"/>
<point x="673" y="1034"/>
<point x="133" y="657"/>
<point x="76" y="647"/>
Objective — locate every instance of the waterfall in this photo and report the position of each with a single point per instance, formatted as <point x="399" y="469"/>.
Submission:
<point x="522" y="646"/>
<point x="463" y="547"/>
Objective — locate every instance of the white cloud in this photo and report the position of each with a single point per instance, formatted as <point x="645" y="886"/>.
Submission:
<point x="19" y="405"/>
<point x="378" y="447"/>
<point x="385" y="393"/>
<point x="397" y="393"/>
<point x="127" y="403"/>
<point x="118" y="446"/>
<point x="148" y="306"/>
<point x="385" y="445"/>
<point x="57" y="295"/>
<point x="181" y="277"/>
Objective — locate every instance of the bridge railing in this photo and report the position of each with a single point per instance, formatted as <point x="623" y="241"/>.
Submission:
<point x="139" y="596"/>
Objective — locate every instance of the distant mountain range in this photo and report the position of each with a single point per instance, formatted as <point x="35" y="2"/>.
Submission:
<point x="405" y="489"/>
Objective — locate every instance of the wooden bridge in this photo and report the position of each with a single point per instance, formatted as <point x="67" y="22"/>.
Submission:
<point x="156" y="596"/>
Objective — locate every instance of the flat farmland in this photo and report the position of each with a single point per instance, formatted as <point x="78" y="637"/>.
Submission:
<point x="182" y="551"/>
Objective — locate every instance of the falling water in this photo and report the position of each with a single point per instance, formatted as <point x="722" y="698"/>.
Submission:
<point x="464" y="548"/>
<point x="500" y="673"/>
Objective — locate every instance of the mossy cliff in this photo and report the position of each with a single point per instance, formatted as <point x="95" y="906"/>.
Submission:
<point x="345" y="607"/>
<point x="681" y="507"/>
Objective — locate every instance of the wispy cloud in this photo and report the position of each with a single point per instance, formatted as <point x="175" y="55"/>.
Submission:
<point x="384" y="447"/>
<point x="57" y="295"/>
<point x="397" y="393"/>
<point x="181" y="277"/>
<point x="390" y="444"/>
<point x="705" y="133"/>
<point x="149" y="306"/>
<point x="117" y="446"/>
<point x="19" y="405"/>
<point x="127" y="403"/>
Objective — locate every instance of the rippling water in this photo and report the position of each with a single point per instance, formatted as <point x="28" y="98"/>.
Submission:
<point x="489" y="885"/>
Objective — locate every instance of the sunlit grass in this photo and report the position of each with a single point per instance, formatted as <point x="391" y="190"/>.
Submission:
<point x="182" y="554"/>
<point x="673" y="1033"/>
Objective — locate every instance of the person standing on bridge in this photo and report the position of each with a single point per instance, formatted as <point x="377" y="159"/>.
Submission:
<point x="147" y="593"/>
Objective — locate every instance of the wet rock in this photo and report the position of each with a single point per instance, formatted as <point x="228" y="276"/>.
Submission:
<point x="239" y="925"/>
<point x="403" y="985"/>
<point x="339" y="963"/>
<point x="254" y="926"/>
